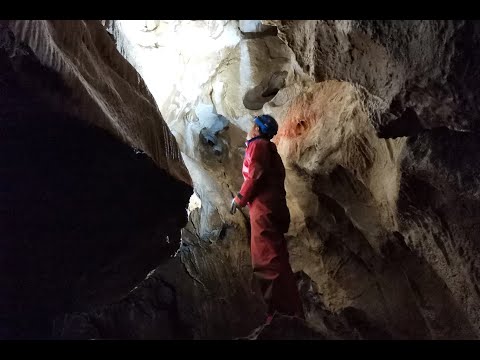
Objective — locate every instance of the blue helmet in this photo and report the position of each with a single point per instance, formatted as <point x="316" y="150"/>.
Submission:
<point x="267" y="124"/>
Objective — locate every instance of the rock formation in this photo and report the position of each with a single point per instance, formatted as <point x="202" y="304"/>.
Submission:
<point x="88" y="168"/>
<point x="378" y="133"/>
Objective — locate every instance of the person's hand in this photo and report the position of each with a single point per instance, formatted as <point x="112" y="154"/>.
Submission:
<point x="233" y="207"/>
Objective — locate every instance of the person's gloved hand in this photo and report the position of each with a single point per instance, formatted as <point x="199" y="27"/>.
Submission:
<point x="233" y="207"/>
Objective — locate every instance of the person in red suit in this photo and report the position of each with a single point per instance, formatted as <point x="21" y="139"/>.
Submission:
<point x="263" y="190"/>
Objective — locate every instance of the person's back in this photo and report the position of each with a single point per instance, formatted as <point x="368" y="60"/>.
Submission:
<point x="273" y="186"/>
<point x="270" y="189"/>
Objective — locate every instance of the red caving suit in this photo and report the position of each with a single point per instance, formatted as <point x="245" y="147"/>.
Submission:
<point x="264" y="192"/>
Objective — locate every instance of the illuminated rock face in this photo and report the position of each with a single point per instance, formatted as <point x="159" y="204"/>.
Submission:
<point x="378" y="124"/>
<point x="370" y="182"/>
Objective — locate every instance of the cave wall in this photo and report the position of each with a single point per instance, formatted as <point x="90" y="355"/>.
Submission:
<point x="346" y="234"/>
<point x="378" y="135"/>
<point x="355" y="101"/>
<point x="423" y="70"/>
<point x="88" y="166"/>
<point x="408" y="85"/>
